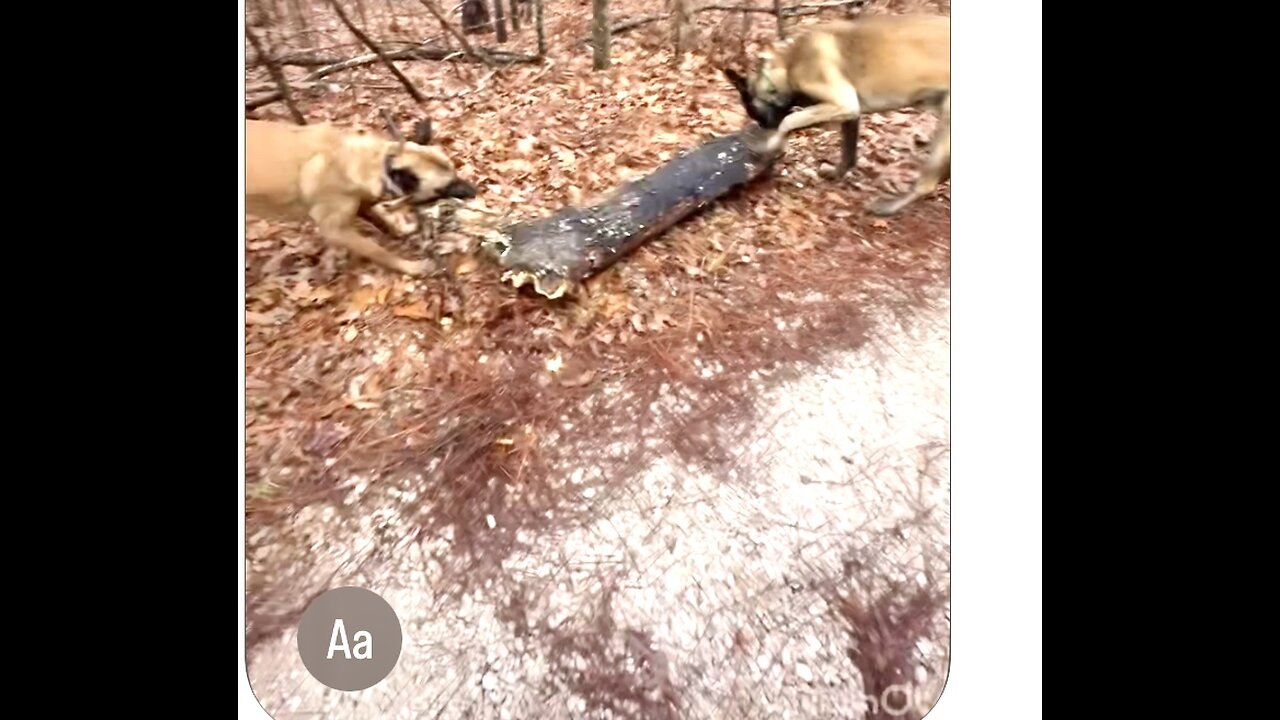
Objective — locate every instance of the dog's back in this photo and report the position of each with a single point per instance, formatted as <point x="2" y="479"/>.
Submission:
<point x="275" y="155"/>
<point x="893" y="60"/>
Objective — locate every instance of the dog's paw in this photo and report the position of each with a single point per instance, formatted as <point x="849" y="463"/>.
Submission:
<point x="419" y="268"/>
<point x="776" y="142"/>
<point x="827" y="171"/>
<point x="765" y="143"/>
<point x="886" y="206"/>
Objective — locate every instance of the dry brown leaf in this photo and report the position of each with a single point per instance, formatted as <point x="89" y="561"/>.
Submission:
<point x="271" y="317"/>
<point x="730" y="118"/>
<point x="467" y="265"/>
<point x="416" y="311"/>
<point x="579" y="380"/>
<point x="362" y="298"/>
<point x="302" y="292"/>
<point x="660" y="320"/>
<point x="515" y="166"/>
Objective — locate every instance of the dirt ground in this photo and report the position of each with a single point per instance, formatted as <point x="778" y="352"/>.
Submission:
<point x="716" y="486"/>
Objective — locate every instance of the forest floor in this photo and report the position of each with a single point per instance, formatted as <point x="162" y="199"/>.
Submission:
<point x="656" y="500"/>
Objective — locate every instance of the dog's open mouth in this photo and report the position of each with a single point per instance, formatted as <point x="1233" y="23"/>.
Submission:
<point x="427" y="202"/>
<point x="415" y="202"/>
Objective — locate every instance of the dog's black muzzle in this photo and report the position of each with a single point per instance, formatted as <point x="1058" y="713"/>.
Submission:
<point x="460" y="189"/>
<point x="768" y="115"/>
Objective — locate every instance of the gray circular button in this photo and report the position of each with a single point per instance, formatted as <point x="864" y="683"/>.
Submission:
<point x="349" y="638"/>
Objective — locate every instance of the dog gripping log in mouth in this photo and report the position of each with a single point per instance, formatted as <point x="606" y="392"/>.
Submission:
<point x="556" y="254"/>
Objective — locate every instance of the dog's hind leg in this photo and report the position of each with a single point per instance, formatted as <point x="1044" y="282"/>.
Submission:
<point x="936" y="170"/>
<point x="335" y="223"/>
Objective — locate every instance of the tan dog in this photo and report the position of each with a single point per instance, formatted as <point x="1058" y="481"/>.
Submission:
<point x="331" y="177"/>
<point x="838" y="72"/>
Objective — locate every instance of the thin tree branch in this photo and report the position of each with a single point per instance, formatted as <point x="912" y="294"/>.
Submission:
<point x="282" y="83"/>
<point x="414" y="92"/>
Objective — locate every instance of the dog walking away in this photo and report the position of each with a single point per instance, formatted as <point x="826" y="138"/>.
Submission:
<point x="839" y="71"/>
<point x="333" y="177"/>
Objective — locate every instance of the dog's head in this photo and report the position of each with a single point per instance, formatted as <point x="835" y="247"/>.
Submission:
<point x="763" y="99"/>
<point x="423" y="172"/>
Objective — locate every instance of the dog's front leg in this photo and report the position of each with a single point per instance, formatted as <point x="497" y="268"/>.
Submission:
<point x="848" y="147"/>
<point x="844" y="108"/>
<point x="336" y="223"/>
<point x="848" y="150"/>
<point x="371" y="215"/>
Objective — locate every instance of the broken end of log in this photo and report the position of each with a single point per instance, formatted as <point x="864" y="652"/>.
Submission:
<point x="555" y="255"/>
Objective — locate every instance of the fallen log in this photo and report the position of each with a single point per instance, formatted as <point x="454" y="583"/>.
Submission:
<point x="417" y="52"/>
<point x="556" y="254"/>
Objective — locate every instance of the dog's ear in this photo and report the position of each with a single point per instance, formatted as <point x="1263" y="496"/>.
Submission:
<point x="422" y="132"/>
<point x="739" y="83"/>
<point x="393" y="130"/>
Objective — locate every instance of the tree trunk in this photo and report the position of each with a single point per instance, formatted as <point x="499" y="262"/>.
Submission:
<point x="475" y="17"/>
<point x="394" y="23"/>
<point x="683" y="28"/>
<point x="600" y="34"/>
<point x="542" y="33"/>
<point x="301" y="17"/>
<point x="515" y="16"/>
<point x="277" y="74"/>
<point x="557" y="253"/>
<point x="777" y="11"/>
<point x="449" y="30"/>
<point x="498" y="21"/>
